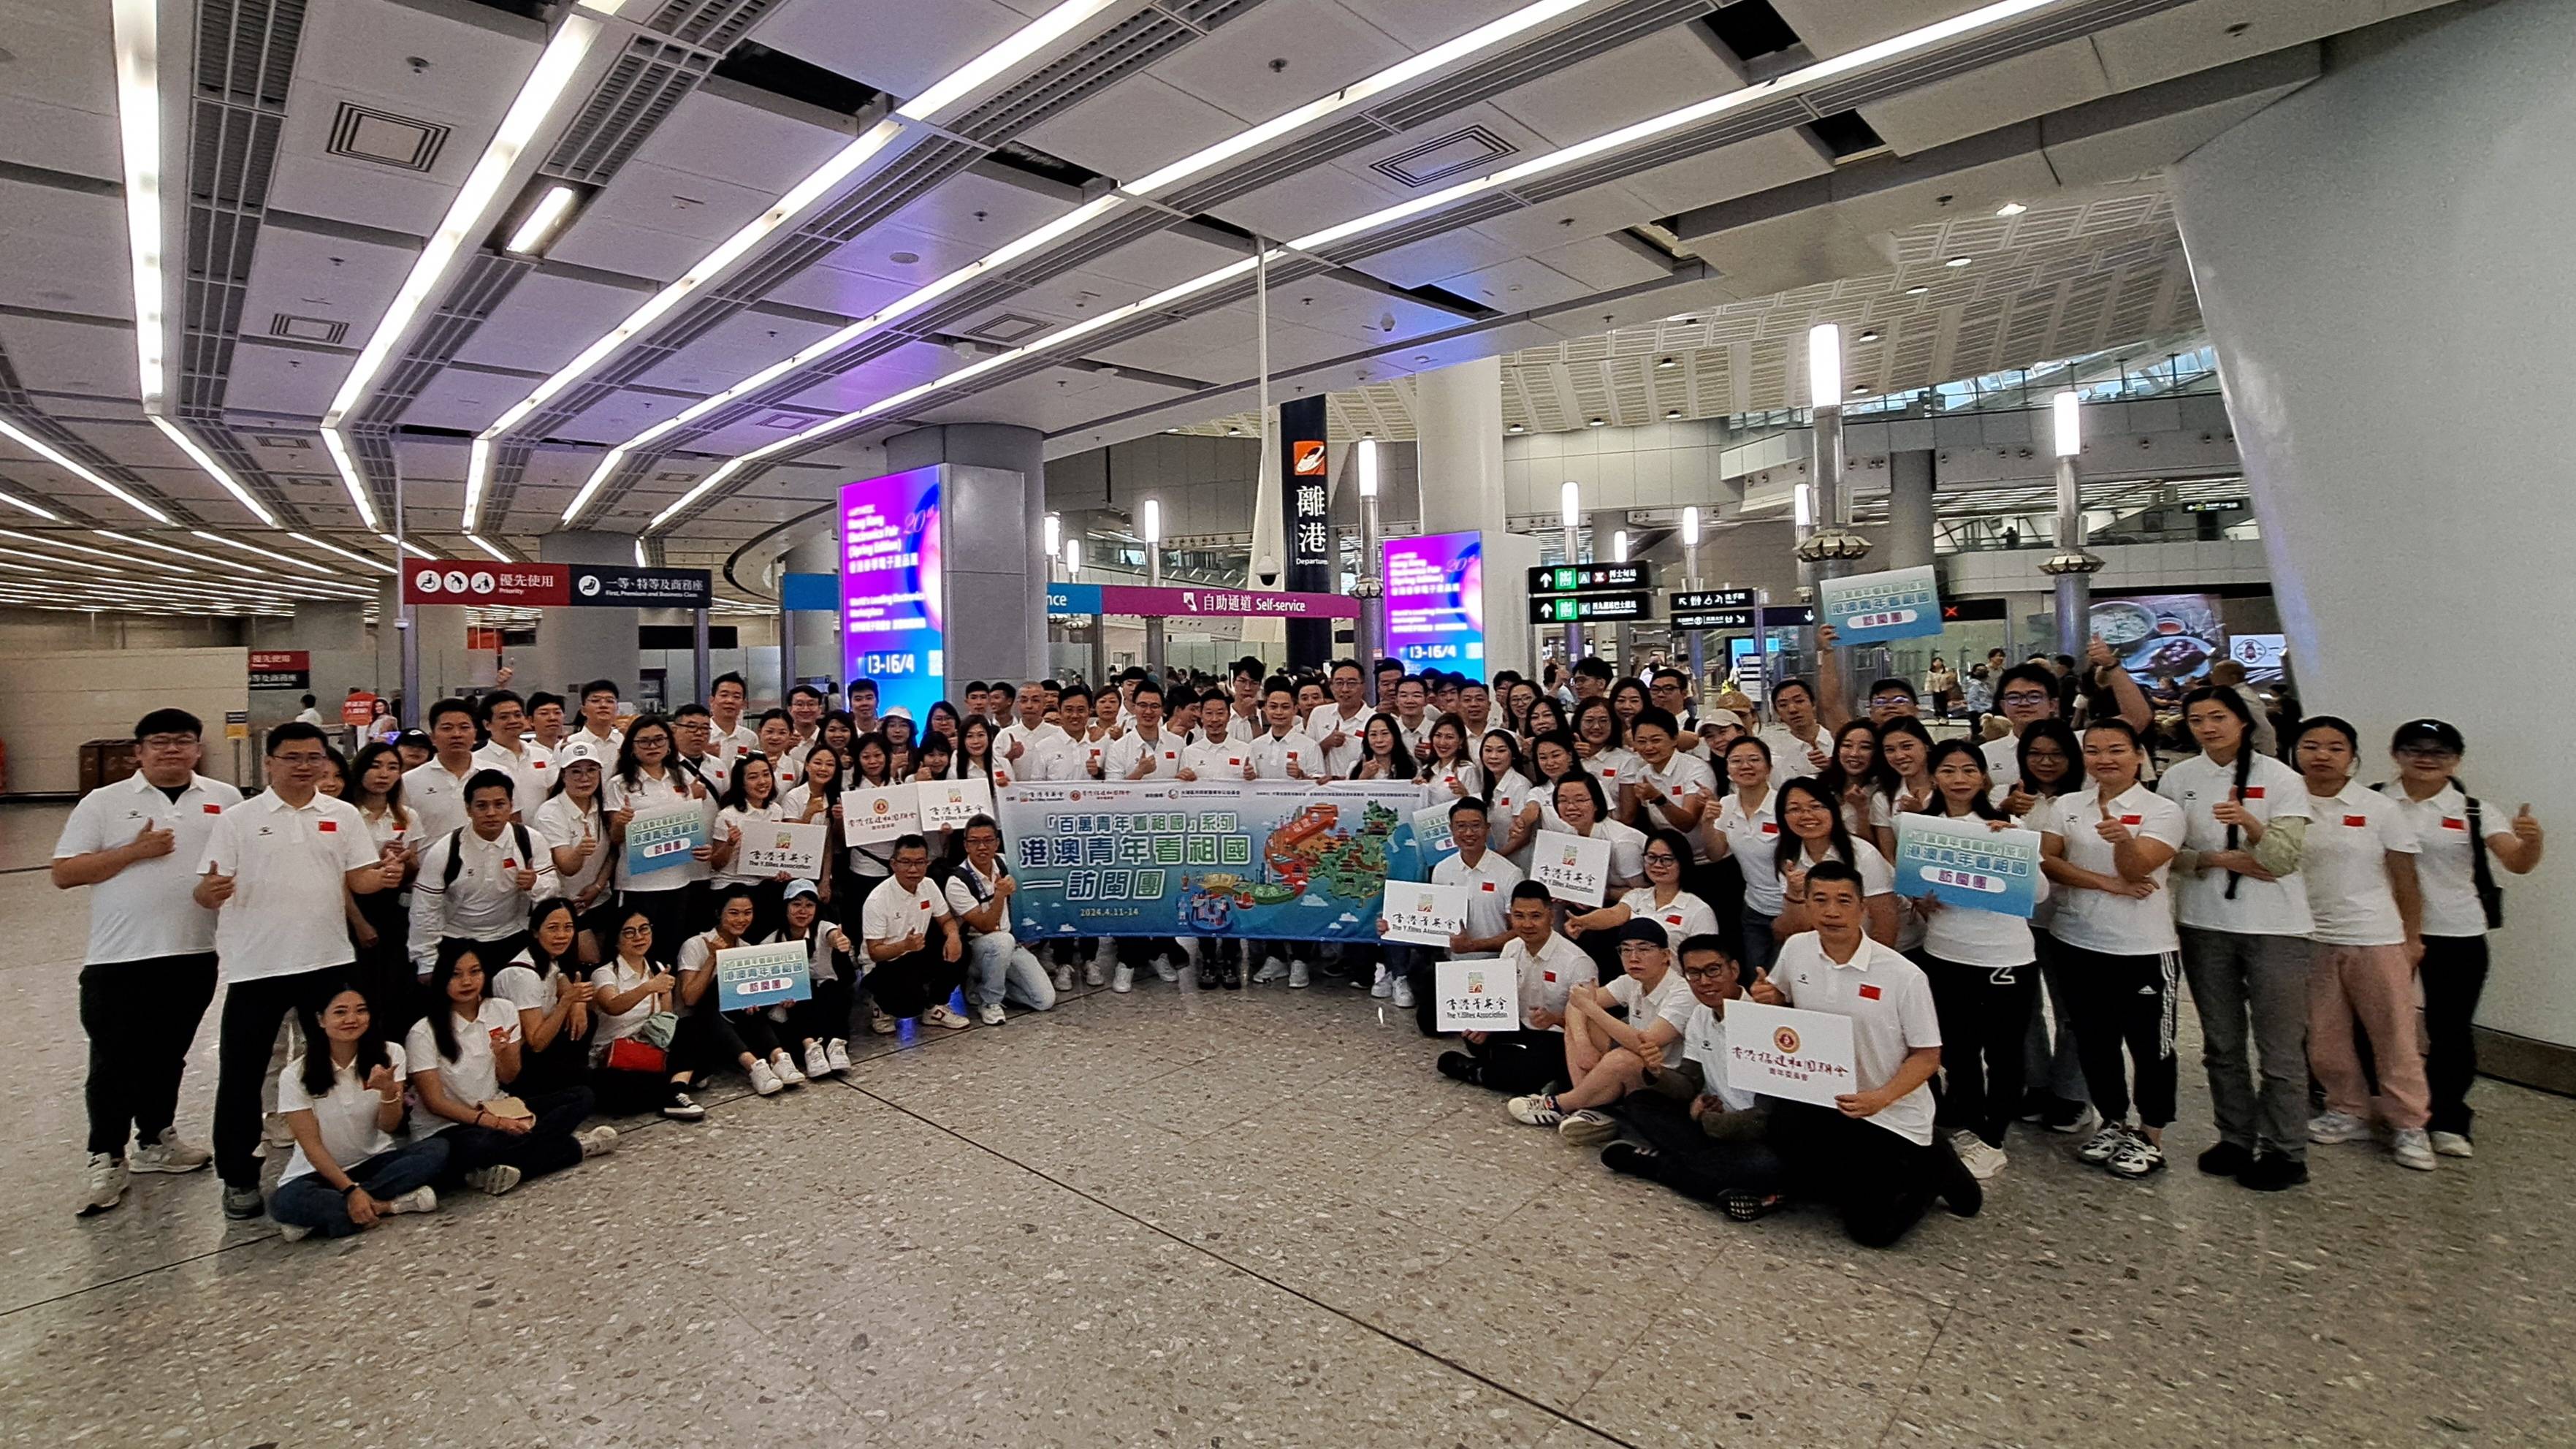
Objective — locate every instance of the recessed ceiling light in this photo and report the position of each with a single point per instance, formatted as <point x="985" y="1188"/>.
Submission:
<point x="1958" y="261"/>
<point x="903" y="259"/>
<point x="1916" y="291"/>
<point x="2011" y="208"/>
<point x="1672" y="412"/>
<point x="1666" y="364"/>
<point x="1595" y="422"/>
<point x="1871" y="335"/>
<point x="1234" y="432"/>
<point x="1516" y="428"/>
<point x="1860" y="387"/>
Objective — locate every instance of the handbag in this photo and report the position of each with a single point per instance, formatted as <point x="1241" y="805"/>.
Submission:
<point x="657" y="1029"/>
<point x="634" y="1054"/>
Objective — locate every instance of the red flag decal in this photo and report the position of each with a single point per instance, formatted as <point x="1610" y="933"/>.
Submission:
<point x="2356" y="821"/>
<point x="211" y="808"/>
<point x="1869" y="993"/>
<point x="330" y="827"/>
<point x="2449" y="822"/>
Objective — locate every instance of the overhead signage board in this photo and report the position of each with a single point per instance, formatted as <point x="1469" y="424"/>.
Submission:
<point x="281" y="669"/>
<point x="893" y="612"/>
<point x="551" y="585"/>
<point x="1435" y="602"/>
<point x="1583" y="608"/>
<point x="1591" y="578"/>
<point x="1141" y="601"/>
<point x="1777" y="616"/>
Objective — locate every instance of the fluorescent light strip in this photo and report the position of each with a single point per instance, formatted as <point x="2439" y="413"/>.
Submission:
<point x="480" y="542"/>
<point x="14" y="501"/>
<point x="251" y="548"/>
<point x="123" y="558"/>
<point x="1787" y="84"/>
<point x="349" y="478"/>
<point x="542" y="218"/>
<point x="55" y="456"/>
<point x="379" y="565"/>
<point x="46" y="558"/>
<point x="404" y="545"/>
<point x="330" y="588"/>
<point x="1028" y="40"/>
<point x="213" y="469"/>
<point x="135" y="25"/>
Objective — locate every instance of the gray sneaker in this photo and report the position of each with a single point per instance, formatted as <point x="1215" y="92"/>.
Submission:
<point x="168" y="1154"/>
<point x="102" y="1186"/>
<point x="241" y="1204"/>
<point x="1587" y="1128"/>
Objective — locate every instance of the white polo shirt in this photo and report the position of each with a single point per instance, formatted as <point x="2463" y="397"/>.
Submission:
<point x="437" y="797"/>
<point x="1682" y="917"/>
<point x="144" y="911"/>
<point x="2098" y="920"/>
<point x="2350" y="837"/>
<point x="1704" y="1042"/>
<point x="1545" y="977"/>
<point x="2445" y="856"/>
<point x="1752" y="838"/>
<point x="1328" y="717"/>
<point x="1488" y="885"/>
<point x="288" y="865"/>
<point x="893" y="913"/>
<point x="1271" y="754"/>
<point x="1161" y="755"/>
<point x="730" y="745"/>
<point x="646" y="794"/>
<point x="1670" y="1001"/>
<point x="471" y="1080"/>
<point x="485" y="903"/>
<point x="563" y="824"/>
<point x="2273" y="791"/>
<point x="1683" y="778"/>
<point x="1615" y="768"/>
<point x="345" y="1116"/>
<point x="965" y="898"/>
<point x="1215" y="759"/>
<point x="1627" y="845"/>
<point x="1889" y="1001"/>
<point x="1789" y="753"/>
<point x="1037" y="750"/>
<point x="531" y="768"/>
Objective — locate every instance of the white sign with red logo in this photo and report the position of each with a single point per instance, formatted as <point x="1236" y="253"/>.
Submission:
<point x="949" y="804"/>
<point x="869" y="817"/>
<point x="1573" y="867"/>
<point x="1424" y="915"/>
<point x="1780" y="1051"/>
<point x="1476" y="996"/>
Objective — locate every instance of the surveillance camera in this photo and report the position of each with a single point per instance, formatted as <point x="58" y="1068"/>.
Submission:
<point x="1266" y="569"/>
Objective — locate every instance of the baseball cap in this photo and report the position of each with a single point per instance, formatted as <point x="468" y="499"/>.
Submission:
<point x="797" y="888"/>
<point x="581" y="752"/>
<point x="1721" y="717"/>
<point x="2438" y="733"/>
<point x="1650" y="932"/>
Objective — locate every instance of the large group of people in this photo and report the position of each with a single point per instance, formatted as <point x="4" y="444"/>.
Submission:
<point x="441" y="968"/>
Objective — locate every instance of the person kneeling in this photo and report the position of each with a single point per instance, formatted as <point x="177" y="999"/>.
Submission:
<point x="979" y="896"/>
<point x="1703" y="1138"/>
<point x="1873" y="1155"/>
<point x="463" y="1051"/>
<point x="342" y="1102"/>
<point x="1548" y="968"/>
<point x="909" y="976"/>
<point x="1608" y="1056"/>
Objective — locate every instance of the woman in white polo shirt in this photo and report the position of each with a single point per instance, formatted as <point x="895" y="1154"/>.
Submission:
<point x="645" y="780"/>
<point x="2460" y="840"/>
<point x="1602" y="746"/>
<point x="1985" y="980"/>
<point x="342" y="1100"/>
<point x="750" y="802"/>
<point x="2046" y="760"/>
<point x="1447" y="774"/>
<point x="2244" y="925"/>
<point x="546" y="984"/>
<point x="1811" y="833"/>
<point x="1664" y="858"/>
<point x="463" y="1053"/>
<point x="2108" y="847"/>
<point x="2360" y="871"/>
<point x="1511" y="805"/>
<point x="771" y="1066"/>
<point x="1745" y="830"/>
<point x="380" y="923"/>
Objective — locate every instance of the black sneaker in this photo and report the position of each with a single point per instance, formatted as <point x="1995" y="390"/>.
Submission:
<point x="1460" y="1067"/>
<point x="683" y="1108"/>
<point x="1233" y="975"/>
<point x="1633" y="1158"/>
<point x="2272" y="1172"/>
<point x="2227" y="1159"/>
<point x="1207" y="976"/>
<point x="2069" y="1117"/>
<point x="1744" y="1206"/>
<point x="1960" y="1191"/>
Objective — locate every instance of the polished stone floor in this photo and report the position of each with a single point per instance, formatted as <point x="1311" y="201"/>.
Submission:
<point x="1254" y="1219"/>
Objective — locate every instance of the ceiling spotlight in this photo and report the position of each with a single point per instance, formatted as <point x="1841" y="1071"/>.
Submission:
<point x="1958" y="261"/>
<point x="1870" y="335"/>
<point x="1516" y="428"/>
<point x="1595" y="422"/>
<point x="1917" y="290"/>
<point x="1666" y="364"/>
<point x="1234" y="432"/>
<point x="1859" y="388"/>
<point x="1672" y="412"/>
<point x="2011" y="208"/>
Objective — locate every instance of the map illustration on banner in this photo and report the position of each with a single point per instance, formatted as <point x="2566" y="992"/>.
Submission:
<point x="1871" y="608"/>
<point x="1967" y="863"/>
<point x="1266" y="859"/>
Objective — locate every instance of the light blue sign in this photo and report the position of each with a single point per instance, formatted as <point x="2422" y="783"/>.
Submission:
<point x="1873" y="608"/>
<point x="1073" y="598"/>
<point x="1968" y="863"/>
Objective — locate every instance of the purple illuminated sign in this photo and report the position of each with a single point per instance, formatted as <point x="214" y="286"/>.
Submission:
<point x="893" y="627"/>
<point x="1435" y="602"/>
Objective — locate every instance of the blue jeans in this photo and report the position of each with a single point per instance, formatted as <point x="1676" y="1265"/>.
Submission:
<point x="312" y="1202"/>
<point x="998" y="965"/>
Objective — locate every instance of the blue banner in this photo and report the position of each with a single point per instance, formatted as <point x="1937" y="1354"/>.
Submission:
<point x="1967" y="862"/>
<point x="1296" y="860"/>
<point x="1870" y="608"/>
<point x="1073" y="598"/>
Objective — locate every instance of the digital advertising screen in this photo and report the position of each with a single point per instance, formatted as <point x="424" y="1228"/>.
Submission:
<point x="2162" y="637"/>
<point x="1435" y="602"/>
<point x="892" y="625"/>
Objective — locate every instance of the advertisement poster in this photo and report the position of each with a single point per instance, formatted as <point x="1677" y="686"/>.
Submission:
<point x="1780" y="1051"/>
<point x="1873" y="608"/>
<point x="1476" y="996"/>
<point x="2162" y="636"/>
<point x="2260" y="654"/>
<point x="782" y="845"/>
<point x="762" y="975"/>
<point x="1435" y="602"/>
<point x="892" y="612"/>
<point x="663" y="835"/>
<point x="1965" y="863"/>
<point x="1424" y="915"/>
<point x="1267" y="859"/>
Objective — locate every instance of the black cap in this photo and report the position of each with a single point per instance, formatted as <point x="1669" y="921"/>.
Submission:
<point x="2429" y="732"/>
<point x="1641" y="929"/>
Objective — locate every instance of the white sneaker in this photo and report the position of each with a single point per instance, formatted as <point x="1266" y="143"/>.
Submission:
<point x="992" y="1013"/>
<point x="1379" y="986"/>
<point x="1272" y="969"/>
<point x="1403" y="993"/>
<point x="1124" y="980"/>
<point x="598" y="1141"/>
<point x="1093" y="973"/>
<point x="816" y="1063"/>
<point x="764" y="1081"/>
<point x="2136" y="1157"/>
<point x="293" y="1232"/>
<point x="1534" y="1111"/>
<point x="102" y="1186"/>
<point x="2100" y="1147"/>
<point x="1587" y="1128"/>
<point x="168" y="1154"/>
<point x="1981" y="1160"/>
<point x="2332" y="1127"/>
<point x="1164" y="968"/>
<point x="836" y="1055"/>
<point x="2412" y="1149"/>
<point x="1297" y="974"/>
<point x="783" y="1067"/>
<point x="418" y="1200"/>
<point x="940" y="1015"/>
<point x="1063" y="978"/>
<point x="2454" y="1144"/>
<point x="495" y="1180"/>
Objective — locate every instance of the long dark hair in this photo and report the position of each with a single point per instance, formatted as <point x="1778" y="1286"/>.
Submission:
<point x="1518" y="765"/>
<point x="357" y="775"/>
<point x="967" y="758"/>
<point x="1618" y="732"/>
<point x="831" y="782"/>
<point x="316" y="1069"/>
<point x="2234" y="704"/>
<point x="885" y="750"/>
<point x="1792" y="845"/>
<point x="735" y="796"/>
<point x="545" y="962"/>
<point x="2062" y="734"/>
<point x="1835" y="780"/>
<point x="629" y="768"/>
<point x="1529" y="722"/>
<point x="442" y="1010"/>
<point x="1980" y="805"/>
<point x="1399" y="760"/>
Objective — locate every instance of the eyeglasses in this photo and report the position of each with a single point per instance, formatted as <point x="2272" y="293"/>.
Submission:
<point x="2024" y="696"/>
<point x="169" y="742"/>
<point x="2429" y="752"/>
<point x="1665" y="857"/>
<point x="1706" y="973"/>
<point x="635" y="930"/>
<point x="298" y="759"/>
<point x="1891" y="701"/>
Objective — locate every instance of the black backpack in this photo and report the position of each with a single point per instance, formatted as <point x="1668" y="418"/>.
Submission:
<point x="2481" y="871"/>
<point x="456" y="853"/>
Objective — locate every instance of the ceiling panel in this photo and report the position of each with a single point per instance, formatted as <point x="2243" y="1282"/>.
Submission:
<point x="458" y="398"/>
<point x="58" y="93"/>
<point x="1310" y="200"/>
<point x="2215" y="32"/>
<point x="72" y="357"/>
<point x="981" y="212"/>
<point x="63" y="251"/>
<point x="1831" y="27"/>
<point x="1159" y="260"/>
<point x="1591" y="212"/>
<point x="1130" y="129"/>
<point x="1280" y="56"/>
<point x="843" y="294"/>
<point x="1729" y="171"/>
<point x="1459" y="249"/>
<point x="1422" y="24"/>
<point x="1517" y="286"/>
<point x="711" y="134"/>
<point x="547" y="321"/>
<point x="908" y="366"/>
<point x="311" y="279"/>
<point x="733" y="349"/>
<point x="899" y="46"/>
<point x="136" y="444"/>
<point x="903" y="254"/>
<point x="2013" y="90"/>
<point x="285" y="382"/>
<point x="655" y="221"/>
<point x="1663" y="72"/>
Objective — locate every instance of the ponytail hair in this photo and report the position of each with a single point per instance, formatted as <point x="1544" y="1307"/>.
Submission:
<point x="2234" y="704"/>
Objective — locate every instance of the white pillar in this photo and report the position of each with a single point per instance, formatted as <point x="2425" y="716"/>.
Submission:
<point x="1458" y="452"/>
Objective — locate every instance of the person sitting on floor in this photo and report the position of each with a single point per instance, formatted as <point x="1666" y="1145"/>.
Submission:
<point x="1703" y="1138"/>
<point x="1610" y="1054"/>
<point x="1548" y="968"/>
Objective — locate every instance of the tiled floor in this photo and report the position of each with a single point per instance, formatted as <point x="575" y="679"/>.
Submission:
<point x="1254" y="1219"/>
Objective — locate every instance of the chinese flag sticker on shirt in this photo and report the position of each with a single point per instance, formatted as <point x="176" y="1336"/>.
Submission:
<point x="2356" y="821"/>
<point x="2253" y="792"/>
<point x="1869" y="993"/>
<point x="1770" y="829"/>
<point x="212" y="808"/>
<point x="2449" y="822"/>
<point x="2133" y="820"/>
<point x="1487" y="887"/>
<point x="330" y="827"/>
<point x="1547" y="976"/>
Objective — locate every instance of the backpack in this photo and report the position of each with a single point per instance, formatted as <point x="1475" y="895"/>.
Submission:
<point x="456" y="853"/>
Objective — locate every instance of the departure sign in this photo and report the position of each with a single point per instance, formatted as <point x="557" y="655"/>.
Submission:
<point x="1582" y="608"/>
<point x="1591" y="578"/>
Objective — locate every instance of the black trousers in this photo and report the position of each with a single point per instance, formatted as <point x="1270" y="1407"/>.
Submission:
<point x="547" y="1146"/>
<point x="1985" y="1015"/>
<point x="911" y="985"/>
<point x="1693" y="1163"/>
<point x="2454" y="973"/>
<point x="1881" y="1183"/>
<point x="140" y="1017"/>
<point x="2125" y="1001"/>
<point x="563" y="1065"/>
<point x="253" y="1010"/>
<point x="384" y="971"/>
<point x="1519" y="1062"/>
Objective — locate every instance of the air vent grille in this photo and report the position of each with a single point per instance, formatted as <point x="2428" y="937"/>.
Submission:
<point x="364" y="134"/>
<point x="1442" y="157"/>
<point x="324" y="330"/>
<point x="637" y="93"/>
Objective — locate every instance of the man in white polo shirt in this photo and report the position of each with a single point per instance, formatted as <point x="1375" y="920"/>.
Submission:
<point x="728" y="738"/>
<point x="910" y="934"/>
<point x="1873" y="1155"/>
<point x="507" y="748"/>
<point x="1026" y="748"/>
<point x="1335" y="727"/>
<point x="1609" y="1054"/>
<point x="274" y="870"/>
<point x="1487" y="877"/>
<point x="150" y="968"/>
<point x="1147" y="751"/>
<point x="1548" y="967"/>
<point x="435" y="789"/>
<point x="478" y="883"/>
<point x="1703" y="1137"/>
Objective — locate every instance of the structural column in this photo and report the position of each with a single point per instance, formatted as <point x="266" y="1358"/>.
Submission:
<point x="809" y="644"/>
<point x="1908" y="538"/>
<point x="2436" y="160"/>
<point x="993" y="527"/>
<point x="1458" y="448"/>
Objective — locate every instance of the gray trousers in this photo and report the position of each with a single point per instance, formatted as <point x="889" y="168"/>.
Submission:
<point x="2047" y="1062"/>
<point x="2240" y="981"/>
